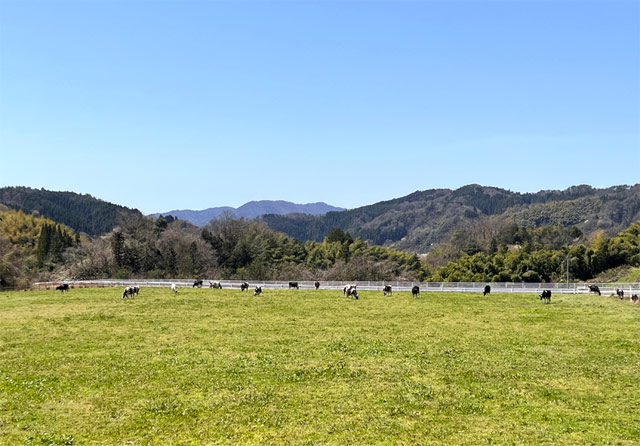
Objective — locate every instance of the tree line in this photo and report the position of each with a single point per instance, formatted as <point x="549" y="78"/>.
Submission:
<point x="492" y="249"/>
<point x="541" y="254"/>
<point x="232" y="248"/>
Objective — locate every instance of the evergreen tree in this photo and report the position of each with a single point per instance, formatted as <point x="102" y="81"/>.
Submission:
<point x="117" y="247"/>
<point x="44" y="244"/>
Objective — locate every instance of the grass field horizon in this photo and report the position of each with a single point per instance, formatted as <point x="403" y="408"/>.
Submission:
<point x="313" y="367"/>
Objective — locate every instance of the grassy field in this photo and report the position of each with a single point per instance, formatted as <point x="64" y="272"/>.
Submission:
<point x="312" y="367"/>
<point x="631" y="276"/>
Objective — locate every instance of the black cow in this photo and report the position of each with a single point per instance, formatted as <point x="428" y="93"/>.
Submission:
<point x="62" y="288"/>
<point x="352" y="292"/>
<point x="217" y="285"/>
<point x="244" y="286"/>
<point x="294" y="285"/>
<point x="620" y="293"/>
<point x="415" y="291"/>
<point x="197" y="283"/>
<point x="257" y="291"/>
<point x="317" y="285"/>
<point x="487" y="290"/>
<point x="546" y="296"/>
<point x="386" y="290"/>
<point x="594" y="289"/>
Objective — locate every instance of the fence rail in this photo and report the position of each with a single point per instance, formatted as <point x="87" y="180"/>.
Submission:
<point x="476" y="287"/>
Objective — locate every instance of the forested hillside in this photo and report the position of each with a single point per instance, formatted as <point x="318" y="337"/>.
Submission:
<point x="142" y="247"/>
<point x="472" y="234"/>
<point x="30" y="245"/>
<point x="419" y="221"/>
<point x="232" y="248"/>
<point x="83" y="213"/>
<point x="536" y="261"/>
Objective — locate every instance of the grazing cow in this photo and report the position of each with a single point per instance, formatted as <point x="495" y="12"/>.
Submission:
<point x="128" y="292"/>
<point x="174" y="289"/>
<point x="620" y="293"/>
<point x="257" y="291"/>
<point x="317" y="285"/>
<point x="352" y="292"/>
<point x="197" y="283"/>
<point x="216" y="285"/>
<point x="634" y="298"/>
<point x="294" y="285"/>
<point x="386" y="290"/>
<point x="594" y="289"/>
<point x="415" y="291"/>
<point x="345" y="290"/>
<point x="62" y="288"/>
<point x="244" y="286"/>
<point x="487" y="290"/>
<point x="546" y="296"/>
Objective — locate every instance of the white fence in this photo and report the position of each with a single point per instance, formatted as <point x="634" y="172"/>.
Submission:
<point x="464" y="287"/>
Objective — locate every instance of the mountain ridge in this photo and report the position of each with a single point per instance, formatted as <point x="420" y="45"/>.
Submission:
<point x="421" y="219"/>
<point x="250" y="210"/>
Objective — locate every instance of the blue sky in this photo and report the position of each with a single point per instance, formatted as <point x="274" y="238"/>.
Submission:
<point x="166" y="105"/>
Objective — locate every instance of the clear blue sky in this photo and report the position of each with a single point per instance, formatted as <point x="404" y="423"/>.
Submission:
<point x="192" y="104"/>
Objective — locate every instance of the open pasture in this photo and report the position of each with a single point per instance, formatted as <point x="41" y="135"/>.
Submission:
<point x="313" y="367"/>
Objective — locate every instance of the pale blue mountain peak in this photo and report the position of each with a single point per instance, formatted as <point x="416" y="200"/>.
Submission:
<point x="252" y="209"/>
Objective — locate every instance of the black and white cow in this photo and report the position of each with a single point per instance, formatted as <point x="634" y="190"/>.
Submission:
<point x="594" y="289"/>
<point x="257" y="291"/>
<point x="620" y="293"/>
<point x="317" y="285"/>
<point x="62" y="288"/>
<point x="415" y="291"/>
<point x="174" y="288"/>
<point x="345" y="290"/>
<point x="352" y="292"/>
<point x="387" y="290"/>
<point x="244" y="286"/>
<point x="634" y="298"/>
<point x="197" y="283"/>
<point x="487" y="290"/>
<point x="216" y="285"/>
<point x="128" y="292"/>
<point x="135" y="290"/>
<point x="546" y="296"/>
<point x="294" y="285"/>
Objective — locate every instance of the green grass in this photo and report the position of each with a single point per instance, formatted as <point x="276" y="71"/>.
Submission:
<point x="306" y="367"/>
<point x="631" y="276"/>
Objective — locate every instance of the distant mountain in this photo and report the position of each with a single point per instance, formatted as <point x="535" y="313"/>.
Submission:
<point x="419" y="220"/>
<point x="83" y="213"/>
<point x="252" y="209"/>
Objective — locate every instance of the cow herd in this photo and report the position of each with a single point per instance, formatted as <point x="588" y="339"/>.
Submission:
<point x="619" y="293"/>
<point x="349" y="291"/>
